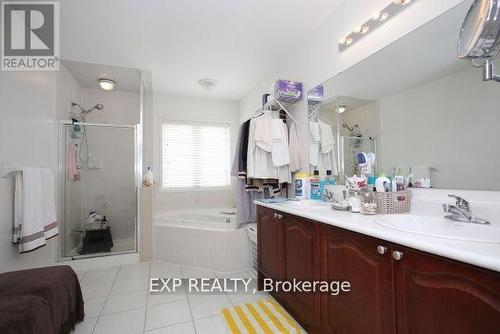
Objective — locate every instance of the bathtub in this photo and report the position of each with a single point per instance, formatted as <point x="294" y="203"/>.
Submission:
<point x="204" y="238"/>
<point x="213" y="219"/>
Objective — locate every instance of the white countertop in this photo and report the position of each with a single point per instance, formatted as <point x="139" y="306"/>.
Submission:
<point x="486" y="255"/>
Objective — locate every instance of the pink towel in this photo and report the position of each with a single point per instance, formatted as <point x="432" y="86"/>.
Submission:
<point x="72" y="171"/>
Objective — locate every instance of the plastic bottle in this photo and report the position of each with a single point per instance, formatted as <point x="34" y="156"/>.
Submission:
<point x="301" y="186"/>
<point x="326" y="181"/>
<point x="314" y="182"/>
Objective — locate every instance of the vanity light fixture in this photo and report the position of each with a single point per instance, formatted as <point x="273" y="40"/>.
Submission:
<point x="107" y="84"/>
<point x="376" y="19"/>
<point x="341" y="108"/>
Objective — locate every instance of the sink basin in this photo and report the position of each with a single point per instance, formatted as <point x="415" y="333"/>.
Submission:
<point x="441" y="228"/>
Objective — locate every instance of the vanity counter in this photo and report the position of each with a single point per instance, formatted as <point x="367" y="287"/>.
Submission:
<point x="485" y="255"/>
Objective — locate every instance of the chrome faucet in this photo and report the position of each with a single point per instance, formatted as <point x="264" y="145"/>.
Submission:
<point x="461" y="212"/>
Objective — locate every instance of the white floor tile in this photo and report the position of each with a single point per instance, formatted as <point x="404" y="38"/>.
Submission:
<point x="167" y="297"/>
<point x="167" y="314"/>
<point x="81" y="274"/>
<point x="92" y="291"/>
<point x="130" y="285"/>
<point x="99" y="277"/>
<point x="109" y="268"/>
<point x="85" y="327"/>
<point x="93" y="307"/>
<point x="184" y="328"/>
<point x="212" y="325"/>
<point x="130" y="322"/>
<point x="207" y="306"/>
<point x="192" y="272"/>
<point x="165" y="270"/>
<point x="238" y="274"/>
<point x="133" y="271"/>
<point x="125" y="302"/>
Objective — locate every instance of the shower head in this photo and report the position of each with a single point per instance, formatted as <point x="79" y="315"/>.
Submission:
<point x="98" y="107"/>
<point x="88" y="110"/>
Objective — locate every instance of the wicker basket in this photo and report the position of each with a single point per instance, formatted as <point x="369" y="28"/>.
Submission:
<point x="392" y="203"/>
<point x="95" y="225"/>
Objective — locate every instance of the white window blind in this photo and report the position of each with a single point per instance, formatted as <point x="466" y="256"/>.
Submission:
<point x="195" y="155"/>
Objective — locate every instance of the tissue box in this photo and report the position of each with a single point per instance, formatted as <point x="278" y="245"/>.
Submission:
<point x="288" y="91"/>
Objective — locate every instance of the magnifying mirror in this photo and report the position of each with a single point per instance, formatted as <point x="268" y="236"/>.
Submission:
<point x="479" y="38"/>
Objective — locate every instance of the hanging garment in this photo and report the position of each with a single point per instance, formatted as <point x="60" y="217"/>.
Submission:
<point x="326" y="137"/>
<point x="242" y="151"/>
<point x="35" y="210"/>
<point x="280" y="150"/>
<point x="244" y="203"/>
<point x="327" y="158"/>
<point x="295" y="162"/>
<point x="314" y="143"/>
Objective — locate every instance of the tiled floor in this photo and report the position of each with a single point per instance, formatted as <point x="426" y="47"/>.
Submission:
<point x="117" y="301"/>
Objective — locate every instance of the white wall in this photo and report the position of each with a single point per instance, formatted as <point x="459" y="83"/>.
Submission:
<point x="27" y="138"/>
<point x="450" y="124"/>
<point x="119" y="107"/>
<point x="319" y="59"/>
<point x="190" y="109"/>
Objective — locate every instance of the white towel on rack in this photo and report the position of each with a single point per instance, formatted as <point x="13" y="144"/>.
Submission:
<point x="326" y="137"/>
<point x="280" y="150"/>
<point x="264" y="133"/>
<point x="35" y="217"/>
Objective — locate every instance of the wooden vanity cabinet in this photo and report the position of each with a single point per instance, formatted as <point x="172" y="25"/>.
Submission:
<point x="439" y="295"/>
<point x="394" y="289"/>
<point x="270" y="247"/>
<point x="366" y="263"/>
<point x="302" y="263"/>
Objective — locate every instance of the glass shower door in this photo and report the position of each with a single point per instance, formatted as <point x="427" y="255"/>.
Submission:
<point x="99" y="192"/>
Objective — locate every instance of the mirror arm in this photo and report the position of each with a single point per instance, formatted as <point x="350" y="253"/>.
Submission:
<point x="489" y="71"/>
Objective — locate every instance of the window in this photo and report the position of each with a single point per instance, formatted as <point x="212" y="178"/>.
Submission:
<point x="195" y="155"/>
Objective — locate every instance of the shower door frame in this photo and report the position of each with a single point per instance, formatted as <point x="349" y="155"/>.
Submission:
<point x="137" y="130"/>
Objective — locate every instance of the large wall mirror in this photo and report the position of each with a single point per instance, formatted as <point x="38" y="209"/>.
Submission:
<point x="415" y="108"/>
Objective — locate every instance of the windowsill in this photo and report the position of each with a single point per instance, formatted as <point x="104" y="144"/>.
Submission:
<point x="187" y="190"/>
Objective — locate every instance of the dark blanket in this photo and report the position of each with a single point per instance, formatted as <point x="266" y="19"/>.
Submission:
<point x="40" y="301"/>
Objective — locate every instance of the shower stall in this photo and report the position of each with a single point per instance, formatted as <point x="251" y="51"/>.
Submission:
<point x="99" y="166"/>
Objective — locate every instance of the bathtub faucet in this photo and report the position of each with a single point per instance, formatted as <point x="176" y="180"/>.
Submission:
<point x="227" y="220"/>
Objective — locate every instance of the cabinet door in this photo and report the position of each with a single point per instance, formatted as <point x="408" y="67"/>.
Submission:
<point x="437" y="295"/>
<point x="302" y="264"/>
<point x="269" y="244"/>
<point x="369" y="307"/>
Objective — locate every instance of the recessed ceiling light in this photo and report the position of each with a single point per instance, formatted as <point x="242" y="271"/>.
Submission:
<point x="207" y="83"/>
<point x="107" y="84"/>
<point x="341" y="108"/>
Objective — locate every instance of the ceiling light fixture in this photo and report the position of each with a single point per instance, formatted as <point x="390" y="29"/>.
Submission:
<point x="107" y="84"/>
<point x="341" y="108"/>
<point x="377" y="18"/>
<point x="208" y="84"/>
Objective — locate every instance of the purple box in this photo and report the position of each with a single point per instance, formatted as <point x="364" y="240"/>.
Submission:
<point x="315" y="95"/>
<point x="288" y="91"/>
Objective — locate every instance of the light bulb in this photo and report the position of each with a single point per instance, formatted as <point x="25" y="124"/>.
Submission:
<point x="375" y="15"/>
<point x="349" y="41"/>
<point x="342" y="41"/>
<point x="365" y="29"/>
<point x="357" y="29"/>
<point x="384" y="16"/>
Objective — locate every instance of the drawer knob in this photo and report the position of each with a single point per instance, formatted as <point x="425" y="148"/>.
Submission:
<point x="278" y="215"/>
<point x="396" y="255"/>
<point x="381" y="250"/>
